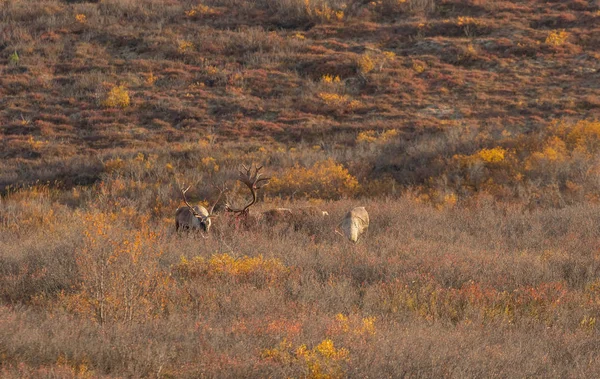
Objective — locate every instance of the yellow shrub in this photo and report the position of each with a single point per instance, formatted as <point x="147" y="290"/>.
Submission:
<point x="323" y="13"/>
<point x="322" y="361"/>
<point x="120" y="277"/>
<point x="151" y="78"/>
<point x="366" y="64"/>
<point x="330" y="79"/>
<point x="356" y="326"/>
<point x="367" y="136"/>
<point x="557" y="37"/>
<point x="112" y="165"/>
<point x="370" y="136"/>
<point x="494" y="155"/>
<point x="210" y="164"/>
<point x="80" y="18"/>
<point x="584" y="136"/>
<point x="462" y="21"/>
<point x="389" y="55"/>
<point x="118" y="97"/>
<point x="342" y="102"/>
<point x="200" y="10"/>
<point x="183" y="46"/>
<point x="225" y="265"/>
<point x="326" y="179"/>
<point x="419" y="67"/>
<point x="555" y="150"/>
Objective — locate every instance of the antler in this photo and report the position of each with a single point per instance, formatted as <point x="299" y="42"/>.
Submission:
<point x="253" y="181"/>
<point x="221" y="189"/>
<point x="183" y="191"/>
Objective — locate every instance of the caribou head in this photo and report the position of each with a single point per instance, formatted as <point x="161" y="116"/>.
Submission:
<point x="195" y="217"/>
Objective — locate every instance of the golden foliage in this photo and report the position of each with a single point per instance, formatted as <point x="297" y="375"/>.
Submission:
<point x="557" y="37"/>
<point x="584" y="136"/>
<point x="354" y="326"/>
<point x="183" y="46"/>
<point x="329" y="79"/>
<point x="113" y="165"/>
<point x="151" y="78"/>
<point x="419" y="67"/>
<point x="371" y="136"/>
<point x="494" y="155"/>
<point x="209" y="164"/>
<point x="366" y="63"/>
<point x="81" y="18"/>
<point x="225" y="265"/>
<point x="322" y="361"/>
<point x="342" y="102"/>
<point x="120" y="278"/>
<point x="201" y="10"/>
<point x="118" y="97"/>
<point x="465" y="20"/>
<point x="325" y="179"/>
<point x="323" y="12"/>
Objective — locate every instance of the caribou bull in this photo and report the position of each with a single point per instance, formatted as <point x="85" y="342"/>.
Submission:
<point x="195" y="217"/>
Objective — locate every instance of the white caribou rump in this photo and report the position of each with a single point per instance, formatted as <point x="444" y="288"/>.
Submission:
<point x="355" y="223"/>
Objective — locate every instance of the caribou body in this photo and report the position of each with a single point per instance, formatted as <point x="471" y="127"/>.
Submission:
<point x="196" y="217"/>
<point x="355" y="223"/>
<point x="295" y="217"/>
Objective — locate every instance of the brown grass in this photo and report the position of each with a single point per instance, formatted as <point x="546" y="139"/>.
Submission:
<point x="468" y="129"/>
<point x="476" y="283"/>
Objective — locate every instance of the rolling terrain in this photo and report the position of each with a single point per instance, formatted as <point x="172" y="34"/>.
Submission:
<point x="468" y="130"/>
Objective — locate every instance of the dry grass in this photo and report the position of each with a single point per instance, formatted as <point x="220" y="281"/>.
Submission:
<point x="468" y="129"/>
<point x="485" y="278"/>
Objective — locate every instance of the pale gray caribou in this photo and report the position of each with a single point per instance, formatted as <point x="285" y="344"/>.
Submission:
<point x="355" y="223"/>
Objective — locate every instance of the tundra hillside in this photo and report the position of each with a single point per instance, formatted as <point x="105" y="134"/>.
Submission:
<point x="467" y="129"/>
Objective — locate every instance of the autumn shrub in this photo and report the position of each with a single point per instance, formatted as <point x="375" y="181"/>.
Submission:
<point x="322" y="361"/>
<point x="371" y="136"/>
<point x="120" y="280"/>
<point x="322" y="11"/>
<point x="117" y="97"/>
<point x="556" y="37"/>
<point x="224" y="266"/>
<point x="385" y="8"/>
<point x="339" y="103"/>
<point x="325" y="179"/>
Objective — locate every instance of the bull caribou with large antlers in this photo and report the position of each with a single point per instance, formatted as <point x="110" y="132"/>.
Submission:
<point x="194" y="217"/>
<point x="252" y="178"/>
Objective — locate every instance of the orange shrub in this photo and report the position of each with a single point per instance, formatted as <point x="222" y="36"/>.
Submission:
<point x="584" y="136"/>
<point x="120" y="280"/>
<point x="227" y="266"/>
<point x="322" y="361"/>
<point x="325" y="179"/>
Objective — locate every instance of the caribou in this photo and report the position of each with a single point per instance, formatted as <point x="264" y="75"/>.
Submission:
<point x="254" y="181"/>
<point x="297" y="217"/>
<point x="195" y="217"/>
<point x="354" y="223"/>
